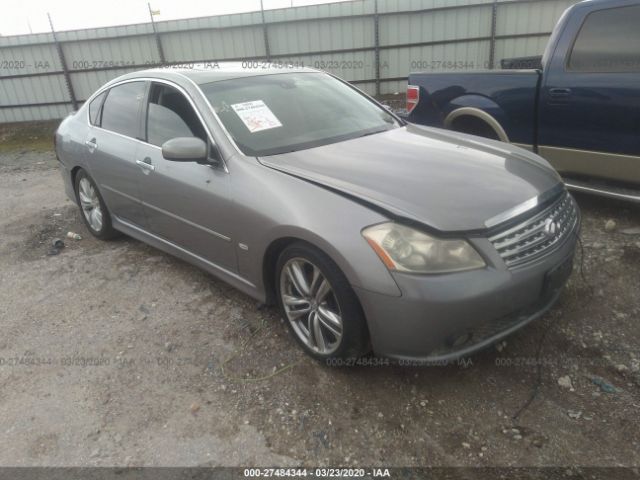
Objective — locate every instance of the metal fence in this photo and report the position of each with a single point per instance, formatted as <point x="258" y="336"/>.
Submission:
<point x="372" y="43"/>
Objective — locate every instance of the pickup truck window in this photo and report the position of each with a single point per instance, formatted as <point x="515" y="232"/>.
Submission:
<point x="608" y="42"/>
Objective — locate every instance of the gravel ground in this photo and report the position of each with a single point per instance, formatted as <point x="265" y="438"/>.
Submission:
<point x="113" y="353"/>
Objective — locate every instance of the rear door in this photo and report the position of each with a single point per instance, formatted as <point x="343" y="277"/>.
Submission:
<point x="186" y="203"/>
<point x="590" y="100"/>
<point x="111" y="143"/>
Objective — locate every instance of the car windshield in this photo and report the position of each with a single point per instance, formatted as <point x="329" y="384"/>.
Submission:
<point x="278" y="113"/>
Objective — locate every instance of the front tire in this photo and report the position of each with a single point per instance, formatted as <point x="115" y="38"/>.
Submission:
<point x="319" y="305"/>
<point x="94" y="211"/>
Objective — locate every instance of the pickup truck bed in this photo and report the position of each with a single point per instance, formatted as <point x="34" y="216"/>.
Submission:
<point x="507" y="96"/>
<point x="580" y="110"/>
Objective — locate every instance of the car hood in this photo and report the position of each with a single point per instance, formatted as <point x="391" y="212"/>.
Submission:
<point x="446" y="180"/>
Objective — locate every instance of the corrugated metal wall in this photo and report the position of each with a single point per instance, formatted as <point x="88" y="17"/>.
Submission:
<point x="373" y="43"/>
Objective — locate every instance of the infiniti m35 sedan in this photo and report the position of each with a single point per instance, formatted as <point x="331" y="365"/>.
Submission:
<point x="298" y="189"/>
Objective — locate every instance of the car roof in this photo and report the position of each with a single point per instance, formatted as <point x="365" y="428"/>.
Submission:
<point x="202" y="73"/>
<point x="605" y="3"/>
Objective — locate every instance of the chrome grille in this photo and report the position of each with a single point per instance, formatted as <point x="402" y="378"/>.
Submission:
<point x="538" y="235"/>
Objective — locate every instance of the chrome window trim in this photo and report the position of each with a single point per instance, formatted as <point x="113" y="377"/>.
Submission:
<point x="166" y="82"/>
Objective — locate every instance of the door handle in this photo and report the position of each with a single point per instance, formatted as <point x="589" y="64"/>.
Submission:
<point x="91" y="144"/>
<point x="146" y="164"/>
<point x="559" y="92"/>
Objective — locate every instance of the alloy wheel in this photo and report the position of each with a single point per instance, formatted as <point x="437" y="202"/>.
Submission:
<point x="90" y="204"/>
<point x="311" y="306"/>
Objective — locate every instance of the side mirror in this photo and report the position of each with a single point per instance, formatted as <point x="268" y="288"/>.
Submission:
<point x="185" y="149"/>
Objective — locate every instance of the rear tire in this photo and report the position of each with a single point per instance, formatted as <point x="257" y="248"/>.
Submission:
<point x="319" y="305"/>
<point x="92" y="207"/>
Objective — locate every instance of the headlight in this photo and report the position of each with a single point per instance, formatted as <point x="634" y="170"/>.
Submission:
<point x="407" y="250"/>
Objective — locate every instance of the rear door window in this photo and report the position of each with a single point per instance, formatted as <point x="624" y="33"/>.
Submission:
<point x="609" y="41"/>
<point x="120" y="112"/>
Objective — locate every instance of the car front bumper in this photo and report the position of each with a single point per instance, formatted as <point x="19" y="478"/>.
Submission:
<point x="440" y="318"/>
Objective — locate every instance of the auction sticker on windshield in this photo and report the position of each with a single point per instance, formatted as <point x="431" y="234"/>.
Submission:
<point x="256" y="116"/>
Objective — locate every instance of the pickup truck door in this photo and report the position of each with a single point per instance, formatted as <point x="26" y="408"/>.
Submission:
<point x="589" y="116"/>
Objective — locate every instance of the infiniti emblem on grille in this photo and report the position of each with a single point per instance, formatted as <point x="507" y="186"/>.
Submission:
<point x="551" y="228"/>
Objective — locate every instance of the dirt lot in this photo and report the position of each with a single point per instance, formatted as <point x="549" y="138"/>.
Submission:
<point x="117" y="354"/>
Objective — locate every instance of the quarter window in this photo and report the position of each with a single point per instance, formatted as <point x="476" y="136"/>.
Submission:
<point x="121" y="107"/>
<point x="170" y="115"/>
<point x="94" y="109"/>
<point x="609" y="41"/>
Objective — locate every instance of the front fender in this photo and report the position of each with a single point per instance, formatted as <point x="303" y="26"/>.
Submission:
<point x="271" y="206"/>
<point x="357" y="260"/>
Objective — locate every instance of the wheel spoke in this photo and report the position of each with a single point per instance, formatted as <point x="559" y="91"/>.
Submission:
<point x="297" y="277"/>
<point x="292" y="301"/>
<point x="86" y="188"/>
<point x="318" y="336"/>
<point x="328" y="326"/>
<point x="323" y="290"/>
<point x="84" y="199"/>
<point x="308" y="325"/>
<point x="330" y="320"/>
<point x="315" y="281"/>
<point x="296" y="314"/>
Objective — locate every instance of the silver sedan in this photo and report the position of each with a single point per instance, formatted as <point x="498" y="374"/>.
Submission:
<point x="301" y="191"/>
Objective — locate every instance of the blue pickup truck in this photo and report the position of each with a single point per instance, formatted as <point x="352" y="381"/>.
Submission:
<point x="580" y="110"/>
